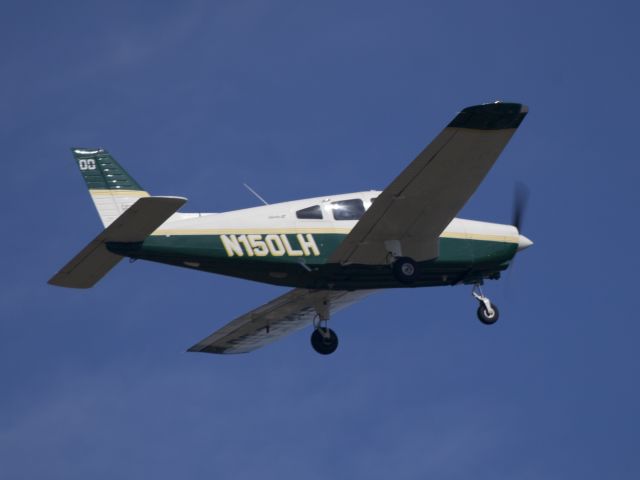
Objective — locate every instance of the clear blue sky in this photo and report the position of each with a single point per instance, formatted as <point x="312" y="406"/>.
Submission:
<point x="301" y="99"/>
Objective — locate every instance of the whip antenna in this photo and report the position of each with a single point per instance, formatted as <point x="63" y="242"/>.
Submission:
<point x="255" y="193"/>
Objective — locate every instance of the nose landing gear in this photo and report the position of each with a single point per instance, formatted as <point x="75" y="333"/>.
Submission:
<point x="487" y="312"/>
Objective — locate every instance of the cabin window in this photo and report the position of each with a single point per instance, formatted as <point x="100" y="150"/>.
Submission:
<point x="310" y="213"/>
<point x="348" y="209"/>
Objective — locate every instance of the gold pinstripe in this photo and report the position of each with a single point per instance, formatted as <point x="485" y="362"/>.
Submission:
<point x="240" y="231"/>
<point x="293" y="230"/>
<point x="95" y="192"/>
<point x="481" y="236"/>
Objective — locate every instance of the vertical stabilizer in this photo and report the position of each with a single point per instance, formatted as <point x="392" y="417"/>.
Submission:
<point x="112" y="189"/>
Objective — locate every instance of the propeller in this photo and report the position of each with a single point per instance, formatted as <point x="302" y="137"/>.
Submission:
<point x="520" y="200"/>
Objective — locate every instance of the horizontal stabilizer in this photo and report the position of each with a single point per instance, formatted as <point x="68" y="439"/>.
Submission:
<point x="134" y="225"/>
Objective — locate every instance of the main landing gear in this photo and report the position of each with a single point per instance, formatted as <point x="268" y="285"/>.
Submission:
<point x="323" y="339"/>
<point x="404" y="269"/>
<point x="487" y="312"/>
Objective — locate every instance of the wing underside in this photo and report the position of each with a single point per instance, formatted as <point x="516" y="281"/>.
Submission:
<point x="292" y="311"/>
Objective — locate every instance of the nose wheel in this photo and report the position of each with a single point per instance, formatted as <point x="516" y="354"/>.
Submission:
<point x="487" y="312"/>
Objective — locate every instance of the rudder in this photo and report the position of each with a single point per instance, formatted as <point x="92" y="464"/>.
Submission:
<point x="111" y="188"/>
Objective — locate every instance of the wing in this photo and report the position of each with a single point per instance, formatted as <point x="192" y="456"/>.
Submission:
<point x="290" y="312"/>
<point x="411" y="213"/>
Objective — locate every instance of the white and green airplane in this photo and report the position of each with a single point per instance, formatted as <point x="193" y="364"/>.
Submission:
<point x="333" y="250"/>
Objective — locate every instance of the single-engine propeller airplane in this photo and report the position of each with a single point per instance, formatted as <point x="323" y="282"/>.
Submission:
<point x="333" y="250"/>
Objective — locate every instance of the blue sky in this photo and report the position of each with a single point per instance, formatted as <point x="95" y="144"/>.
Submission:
<point x="300" y="99"/>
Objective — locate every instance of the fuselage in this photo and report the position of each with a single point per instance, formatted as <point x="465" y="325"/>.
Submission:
<point x="291" y="243"/>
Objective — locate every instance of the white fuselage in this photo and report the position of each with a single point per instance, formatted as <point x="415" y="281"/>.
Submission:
<point x="280" y="217"/>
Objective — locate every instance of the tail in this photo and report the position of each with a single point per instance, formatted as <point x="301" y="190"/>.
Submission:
<point x="128" y="213"/>
<point x="111" y="188"/>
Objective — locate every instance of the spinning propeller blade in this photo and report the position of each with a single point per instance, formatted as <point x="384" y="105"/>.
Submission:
<point x="520" y="199"/>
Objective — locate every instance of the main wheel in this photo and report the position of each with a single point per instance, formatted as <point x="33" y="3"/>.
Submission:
<point x="404" y="269"/>
<point x="322" y="344"/>
<point x="485" y="317"/>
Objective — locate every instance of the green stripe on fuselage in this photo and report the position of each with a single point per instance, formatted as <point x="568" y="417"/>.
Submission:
<point x="282" y="259"/>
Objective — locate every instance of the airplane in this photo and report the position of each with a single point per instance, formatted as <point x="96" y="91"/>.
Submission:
<point x="333" y="250"/>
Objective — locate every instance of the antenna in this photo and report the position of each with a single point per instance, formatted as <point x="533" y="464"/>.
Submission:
<point x="255" y="193"/>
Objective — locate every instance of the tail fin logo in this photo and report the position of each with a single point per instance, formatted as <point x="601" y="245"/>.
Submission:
<point x="87" y="164"/>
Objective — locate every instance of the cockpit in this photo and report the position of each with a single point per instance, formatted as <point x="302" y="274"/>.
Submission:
<point x="347" y="209"/>
<point x="351" y="209"/>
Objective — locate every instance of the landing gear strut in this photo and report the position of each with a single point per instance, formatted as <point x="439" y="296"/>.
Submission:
<point x="323" y="339"/>
<point x="487" y="312"/>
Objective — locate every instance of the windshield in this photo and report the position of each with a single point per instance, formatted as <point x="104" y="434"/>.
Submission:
<point x="348" y="209"/>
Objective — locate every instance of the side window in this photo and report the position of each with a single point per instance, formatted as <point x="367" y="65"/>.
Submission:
<point x="347" y="209"/>
<point x="310" y="213"/>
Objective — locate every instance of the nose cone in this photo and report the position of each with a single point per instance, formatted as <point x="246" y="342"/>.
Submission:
<point x="523" y="242"/>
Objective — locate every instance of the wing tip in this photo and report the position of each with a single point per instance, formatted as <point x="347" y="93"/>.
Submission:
<point x="491" y="116"/>
<point x="62" y="279"/>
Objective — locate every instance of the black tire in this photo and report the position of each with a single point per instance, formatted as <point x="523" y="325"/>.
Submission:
<point x="324" y="345"/>
<point x="484" y="316"/>
<point x="405" y="269"/>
